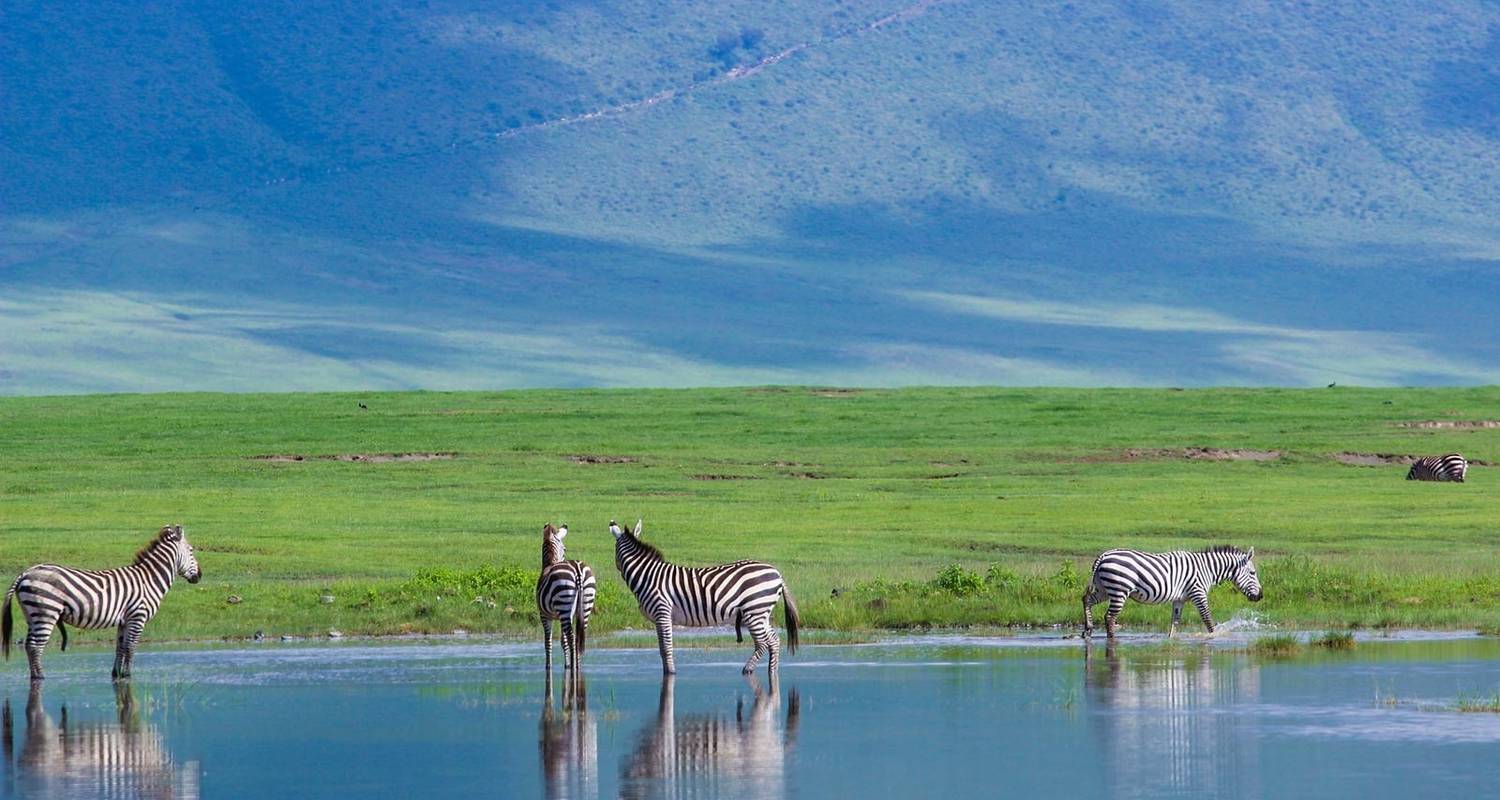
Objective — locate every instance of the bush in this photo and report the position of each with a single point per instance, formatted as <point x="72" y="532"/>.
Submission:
<point x="959" y="581"/>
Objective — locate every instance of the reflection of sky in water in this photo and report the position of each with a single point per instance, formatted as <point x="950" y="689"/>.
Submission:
<point x="914" y="717"/>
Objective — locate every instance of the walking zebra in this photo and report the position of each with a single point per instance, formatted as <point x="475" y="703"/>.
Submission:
<point x="1175" y="578"/>
<point x="564" y="591"/>
<point x="744" y="593"/>
<point x="1451" y="467"/>
<point x="125" y="598"/>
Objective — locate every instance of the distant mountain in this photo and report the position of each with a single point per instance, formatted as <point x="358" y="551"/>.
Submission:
<point x="279" y="195"/>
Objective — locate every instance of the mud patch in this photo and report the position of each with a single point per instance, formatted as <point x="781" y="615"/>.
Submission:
<point x="593" y="458"/>
<point x="1452" y="425"/>
<point x="945" y="476"/>
<point x="725" y="477"/>
<point x="1186" y="453"/>
<point x="1389" y="459"/>
<point x="807" y="476"/>
<point x="836" y="392"/>
<point x="370" y="458"/>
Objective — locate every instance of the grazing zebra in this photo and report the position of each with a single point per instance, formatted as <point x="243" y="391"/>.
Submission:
<point x="1451" y="467"/>
<point x="744" y="593"/>
<point x="1175" y="578"/>
<point x="564" y="591"/>
<point x="125" y="598"/>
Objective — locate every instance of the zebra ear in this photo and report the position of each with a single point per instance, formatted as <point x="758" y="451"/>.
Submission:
<point x="1251" y="555"/>
<point x="637" y="530"/>
<point x="171" y="533"/>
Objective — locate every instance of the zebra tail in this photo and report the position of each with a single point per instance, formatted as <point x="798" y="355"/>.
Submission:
<point x="63" y="629"/>
<point x="578" y="623"/>
<point x="792" y="618"/>
<point x="5" y="621"/>
<point x="739" y="617"/>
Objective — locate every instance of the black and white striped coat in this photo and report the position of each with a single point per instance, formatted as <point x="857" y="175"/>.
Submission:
<point x="1176" y="577"/>
<point x="125" y="598"/>
<point x="565" y="592"/>
<point x="1451" y="467"/>
<point x="742" y="593"/>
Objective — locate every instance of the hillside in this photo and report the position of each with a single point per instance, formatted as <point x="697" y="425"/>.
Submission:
<point x="463" y="195"/>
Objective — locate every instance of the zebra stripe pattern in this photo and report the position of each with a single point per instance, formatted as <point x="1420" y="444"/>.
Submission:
<point x="125" y="598"/>
<point x="743" y="593"/>
<point x="1177" y="577"/>
<point x="1451" y="467"/>
<point x="565" y="592"/>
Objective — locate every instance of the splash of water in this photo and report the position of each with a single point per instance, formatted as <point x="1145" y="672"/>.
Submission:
<point x="1246" y="619"/>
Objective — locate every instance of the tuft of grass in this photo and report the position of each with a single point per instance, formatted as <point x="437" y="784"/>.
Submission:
<point x="1478" y="704"/>
<point x="1282" y="645"/>
<point x="1335" y="640"/>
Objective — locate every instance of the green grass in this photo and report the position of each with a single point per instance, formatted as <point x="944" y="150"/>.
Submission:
<point x="884" y="508"/>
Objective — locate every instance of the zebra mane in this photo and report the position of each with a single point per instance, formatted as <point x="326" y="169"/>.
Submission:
<point x="1224" y="548"/>
<point x="650" y="549"/>
<point x="161" y="536"/>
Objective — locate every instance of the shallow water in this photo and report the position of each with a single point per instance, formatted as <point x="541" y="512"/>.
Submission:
<point x="1027" y="716"/>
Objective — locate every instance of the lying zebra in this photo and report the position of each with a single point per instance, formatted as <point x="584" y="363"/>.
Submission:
<point x="1175" y="577"/>
<point x="1451" y="467"/>
<point x="125" y="598"/>
<point x="744" y="593"/>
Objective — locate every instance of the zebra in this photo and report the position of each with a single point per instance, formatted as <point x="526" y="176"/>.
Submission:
<point x="564" y="591"/>
<point x="125" y="598"/>
<point x="744" y="593"/>
<point x="1451" y="467"/>
<point x="1175" y="577"/>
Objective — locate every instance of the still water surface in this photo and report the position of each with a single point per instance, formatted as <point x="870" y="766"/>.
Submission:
<point x="967" y="717"/>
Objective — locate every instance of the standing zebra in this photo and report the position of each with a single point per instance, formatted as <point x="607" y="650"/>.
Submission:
<point x="744" y="593"/>
<point x="1175" y="578"/>
<point x="125" y="598"/>
<point x="1451" y="467"/>
<point x="564" y="591"/>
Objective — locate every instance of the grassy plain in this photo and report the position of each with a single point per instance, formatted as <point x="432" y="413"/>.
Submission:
<point x="884" y="508"/>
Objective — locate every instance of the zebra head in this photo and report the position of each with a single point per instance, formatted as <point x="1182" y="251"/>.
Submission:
<point x="1246" y="578"/>
<point x="187" y="563"/>
<point x="619" y="531"/>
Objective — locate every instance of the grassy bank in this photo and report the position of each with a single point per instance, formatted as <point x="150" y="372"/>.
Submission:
<point x="885" y="509"/>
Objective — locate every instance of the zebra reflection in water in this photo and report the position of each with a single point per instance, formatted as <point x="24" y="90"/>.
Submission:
<point x="120" y="758"/>
<point x="1168" y="723"/>
<point x="570" y="742"/>
<point x="712" y="755"/>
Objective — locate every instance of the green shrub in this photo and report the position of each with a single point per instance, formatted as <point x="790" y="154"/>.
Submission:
<point x="959" y="581"/>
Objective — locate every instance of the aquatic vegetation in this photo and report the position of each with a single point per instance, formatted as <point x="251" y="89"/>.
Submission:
<point x="1283" y="645"/>
<point x="1335" y="640"/>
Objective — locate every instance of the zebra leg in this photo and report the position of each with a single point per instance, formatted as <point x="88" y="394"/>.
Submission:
<point x="1176" y="619"/>
<point x="38" y="633"/>
<point x="760" y="633"/>
<point x="1090" y="598"/>
<point x="547" y="641"/>
<point x="130" y="633"/>
<point x="664" y="643"/>
<point x="1200" y="600"/>
<point x="1112" y="616"/>
<point x="570" y="659"/>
